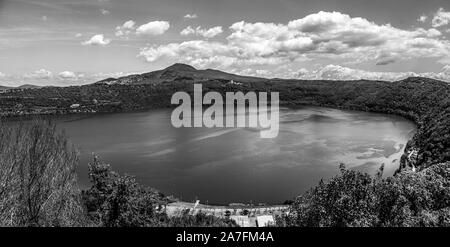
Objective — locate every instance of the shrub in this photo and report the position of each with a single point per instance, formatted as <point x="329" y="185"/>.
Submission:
<point x="119" y="201"/>
<point x="115" y="200"/>
<point x="199" y="220"/>
<point x="356" y="199"/>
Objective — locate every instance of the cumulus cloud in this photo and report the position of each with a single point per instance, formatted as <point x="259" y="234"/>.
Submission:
<point x="97" y="40"/>
<point x="190" y="16"/>
<point x="105" y="12"/>
<point x="125" y="29"/>
<point x="78" y="35"/>
<point x="206" y="33"/>
<point x="253" y="72"/>
<point x="191" y="50"/>
<point x="43" y="77"/>
<point x="422" y="18"/>
<point x="187" y="31"/>
<point x="323" y="35"/>
<point x="302" y="73"/>
<point x="446" y="69"/>
<point x="153" y="28"/>
<point x="39" y="74"/>
<point x="336" y="72"/>
<point x="387" y="58"/>
<point x="67" y="75"/>
<point x="440" y="18"/>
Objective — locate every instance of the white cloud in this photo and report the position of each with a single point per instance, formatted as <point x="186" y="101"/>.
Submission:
<point x="432" y="33"/>
<point x="97" y="40"/>
<point x="187" y="31"/>
<point x="422" y="18"/>
<point x="206" y="33"/>
<point x="440" y="18"/>
<point x="191" y="50"/>
<point x="253" y="72"/>
<point x="302" y="73"/>
<point x="153" y="28"/>
<point x="78" y="35"/>
<point x="337" y="72"/>
<point x="104" y="75"/>
<point x="125" y="29"/>
<point x="190" y="16"/>
<point x="105" y="12"/>
<point x="446" y="68"/>
<point x="44" y="18"/>
<point x="323" y="35"/>
<point x="2" y="74"/>
<point x="44" y="77"/>
<point x="67" y="75"/>
<point x="39" y="74"/>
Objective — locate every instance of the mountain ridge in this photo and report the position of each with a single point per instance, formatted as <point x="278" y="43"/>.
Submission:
<point x="24" y="86"/>
<point x="179" y="72"/>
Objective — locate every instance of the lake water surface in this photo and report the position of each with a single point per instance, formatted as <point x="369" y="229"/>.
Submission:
<point x="224" y="165"/>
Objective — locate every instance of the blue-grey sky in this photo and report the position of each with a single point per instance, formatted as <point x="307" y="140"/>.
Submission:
<point x="69" y="42"/>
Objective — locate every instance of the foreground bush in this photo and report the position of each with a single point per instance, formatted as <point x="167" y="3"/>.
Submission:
<point x="38" y="183"/>
<point x="115" y="200"/>
<point x="199" y="220"/>
<point x="356" y="199"/>
<point x="119" y="201"/>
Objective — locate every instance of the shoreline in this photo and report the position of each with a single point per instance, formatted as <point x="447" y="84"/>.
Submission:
<point x="69" y="117"/>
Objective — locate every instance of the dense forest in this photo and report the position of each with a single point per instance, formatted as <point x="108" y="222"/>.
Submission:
<point x="37" y="164"/>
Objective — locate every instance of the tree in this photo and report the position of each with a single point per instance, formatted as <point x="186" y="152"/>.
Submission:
<point x="356" y="199"/>
<point x="114" y="200"/>
<point x="38" y="176"/>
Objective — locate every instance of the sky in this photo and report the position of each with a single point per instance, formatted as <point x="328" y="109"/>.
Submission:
<point x="73" y="42"/>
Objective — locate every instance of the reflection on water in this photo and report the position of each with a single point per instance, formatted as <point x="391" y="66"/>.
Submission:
<point x="223" y="165"/>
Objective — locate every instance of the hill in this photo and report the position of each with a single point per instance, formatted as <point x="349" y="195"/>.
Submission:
<point x="179" y="73"/>
<point x="25" y="86"/>
<point x="28" y="86"/>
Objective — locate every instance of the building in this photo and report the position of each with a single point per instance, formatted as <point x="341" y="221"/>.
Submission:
<point x="265" y="220"/>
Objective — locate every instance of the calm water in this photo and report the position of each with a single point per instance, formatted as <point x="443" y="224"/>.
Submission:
<point x="234" y="164"/>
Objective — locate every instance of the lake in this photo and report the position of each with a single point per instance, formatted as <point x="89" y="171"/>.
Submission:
<point x="225" y="165"/>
